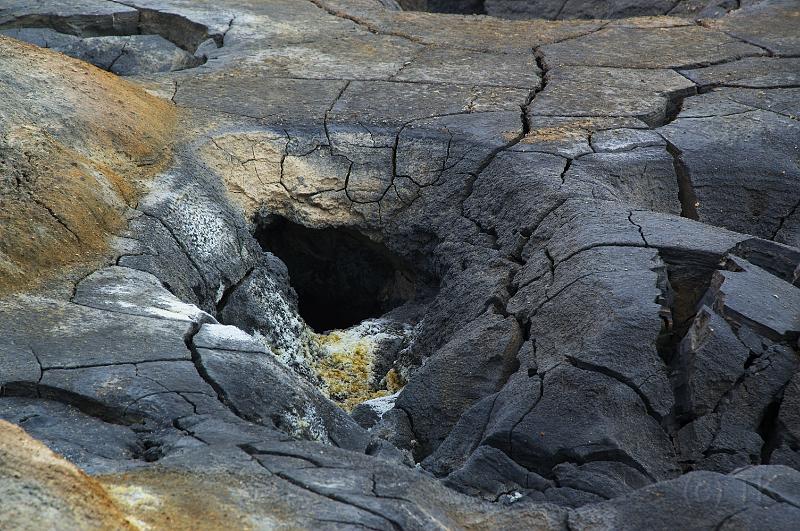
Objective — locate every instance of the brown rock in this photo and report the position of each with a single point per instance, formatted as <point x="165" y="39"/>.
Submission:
<point x="41" y="490"/>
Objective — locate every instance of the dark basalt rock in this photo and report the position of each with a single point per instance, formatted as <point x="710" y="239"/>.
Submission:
<point x="561" y="257"/>
<point x="574" y="9"/>
<point x="725" y="500"/>
<point x="467" y="7"/>
<point x="762" y="183"/>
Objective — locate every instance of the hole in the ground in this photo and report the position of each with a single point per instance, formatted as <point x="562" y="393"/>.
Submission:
<point x="177" y="29"/>
<point x="134" y="42"/>
<point x="341" y="276"/>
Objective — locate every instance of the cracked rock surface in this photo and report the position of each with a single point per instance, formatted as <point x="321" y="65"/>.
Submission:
<point x="560" y="254"/>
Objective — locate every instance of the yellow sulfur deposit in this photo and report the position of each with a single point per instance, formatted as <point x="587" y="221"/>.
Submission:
<point x="346" y="368"/>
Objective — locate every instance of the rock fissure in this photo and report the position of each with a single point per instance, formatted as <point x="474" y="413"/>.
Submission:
<point x="686" y="191"/>
<point x="539" y="255"/>
<point x="201" y="370"/>
<point x="575" y="362"/>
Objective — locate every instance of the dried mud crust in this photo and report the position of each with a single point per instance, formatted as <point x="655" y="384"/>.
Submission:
<point x="70" y="170"/>
<point x="594" y="244"/>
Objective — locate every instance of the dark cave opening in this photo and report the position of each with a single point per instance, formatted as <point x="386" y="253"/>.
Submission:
<point x="341" y="277"/>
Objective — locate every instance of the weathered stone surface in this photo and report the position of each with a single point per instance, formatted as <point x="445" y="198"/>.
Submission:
<point x="259" y="389"/>
<point x="616" y="140"/>
<point x="750" y="72"/>
<point x="70" y="335"/>
<point x="749" y="296"/>
<point x="42" y="489"/>
<point x="669" y="47"/>
<point x="720" y="361"/>
<point x="264" y="303"/>
<point x="710" y="360"/>
<point x="61" y="199"/>
<point x="566" y="327"/>
<point x="122" y="55"/>
<point x="443" y="65"/>
<point x="568" y="9"/>
<point x="461" y="372"/>
<point x="723" y="499"/>
<point x="759" y="126"/>
<point x="770" y="25"/>
<point x="644" y="178"/>
<point x="71" y="16"/>
<point x="87" y="441"/>
<point x="134" y="292"/>
<point x="620" y="92"/>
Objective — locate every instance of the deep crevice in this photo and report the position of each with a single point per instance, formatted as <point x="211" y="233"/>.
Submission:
<point x="688" y="277"/>
<point x="341" y="276"/>
<point x="177" y="29"/>
<point x="769" y="429"/>
<point x="182" y="32"/>
<point x="686" y="193"/>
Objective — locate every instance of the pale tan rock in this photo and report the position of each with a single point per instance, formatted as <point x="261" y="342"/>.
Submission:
<point x="41" y="490"/>
<point x="78" y="143"/>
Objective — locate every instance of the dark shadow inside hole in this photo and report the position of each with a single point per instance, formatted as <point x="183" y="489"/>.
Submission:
<point x="341" y="277"/>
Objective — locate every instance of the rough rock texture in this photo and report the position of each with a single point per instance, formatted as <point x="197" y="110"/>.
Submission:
<point x="582" y="236"/>
<point x="40" y="488"/>
<point x="70" y="170"/>
<point x="122" y="55"/>
<point x="572" y="9"/>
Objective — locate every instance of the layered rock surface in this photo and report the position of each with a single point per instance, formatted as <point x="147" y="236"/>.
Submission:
<point x="580" y="237"/>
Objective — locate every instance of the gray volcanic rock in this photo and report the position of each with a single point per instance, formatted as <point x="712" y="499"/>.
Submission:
<point x="683" y="46"/>
<point x="118" y="38"/>
<point x="574" y="9"/>
<point x="444" y="6"/>
<point x="749" y="296"/>
<point x="571" y="9"/>
<point x="134" y="54"/>
<point x="741" y="121"/>
<point x="90" y="443"/>
<point x="264" y="303"/>
<point x="616" y="140"/>
<point x="122" y="55"/>
<point x="642" y="177"/>
<point x="71" y="335"/>
<point x="710" y="360"/>
<point x="736" y="503"/>
<point x="575" y="242"/>
<point x="134" y="292"/>
<point x="769" y="25"/>
<point x="721" y="358"/>
<point x="44" y="37"/>
<point x="97" y="17"/>
<point x="473" y="365"/>
<point x="614" y="92"/>
<point x="259" y="389"/>
<point x="750" y="72"/>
